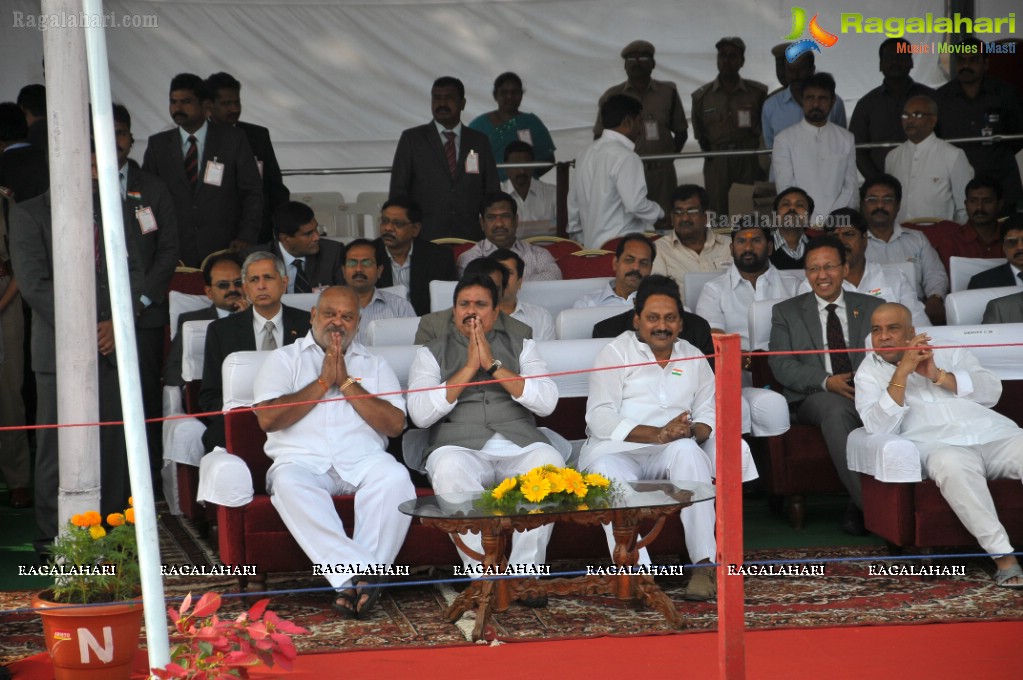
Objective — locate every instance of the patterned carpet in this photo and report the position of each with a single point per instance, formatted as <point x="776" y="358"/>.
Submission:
<point x="410" y="615"/>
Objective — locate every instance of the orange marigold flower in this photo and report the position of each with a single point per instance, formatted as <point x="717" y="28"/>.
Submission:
<point x="97" y="532"/>
<point x="129" y="515"/>
<point x="115" y="519"/>
<point x="131" y="501"/>
<point x="92" y="518"/>
<point x="79" y="521"/>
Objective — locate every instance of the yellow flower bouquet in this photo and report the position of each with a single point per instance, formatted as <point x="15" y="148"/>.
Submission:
<point x="91" y="563"/>
<point x="550" y="486"/>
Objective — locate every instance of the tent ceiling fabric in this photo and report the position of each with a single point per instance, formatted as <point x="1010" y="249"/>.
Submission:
<point x="337" y="81"/>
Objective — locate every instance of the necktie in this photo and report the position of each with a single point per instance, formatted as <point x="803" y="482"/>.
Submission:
<point x="268" y="337"/>
<point x="839" y="360"/>
<point x="449" y="151"/>
<point x="192" y="161"/>
<point x="302" y="284"/>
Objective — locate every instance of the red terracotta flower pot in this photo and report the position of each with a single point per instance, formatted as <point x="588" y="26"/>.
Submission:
<point x="90" y="643"/>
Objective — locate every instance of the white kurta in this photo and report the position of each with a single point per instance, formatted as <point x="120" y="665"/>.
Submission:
<point x="934" y="175"/>
<point x="821" y="161"/>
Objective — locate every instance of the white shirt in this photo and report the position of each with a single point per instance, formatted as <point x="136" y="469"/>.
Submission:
<point x="607" y="197"/>
<point x="538" y="212"/>
<point x="539" y="395"/>
<point x="537" y="318"/>
<point x="821" y="161"/>
<point x="933" y="415"/>
<point x="619" y="400"/>
<point x="383" y="305"/>
<point x="401" y="274"/>
<point x="782" y="111"/>
<point x="725" y="301"/>
<point x="259" y="324"/>
<point x="605" y="296"/>
<point x="843" y="317"/>
<point x="333" y="431"/>
<point x="909" y="245"/>
<point x="540" y="264"/>
<point x="887" y="282"/>
<point x="675" y="259"/>
<point x="934" y="175"/>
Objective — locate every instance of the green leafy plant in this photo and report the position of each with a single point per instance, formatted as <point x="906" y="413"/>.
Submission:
<point x="92" y="564"/>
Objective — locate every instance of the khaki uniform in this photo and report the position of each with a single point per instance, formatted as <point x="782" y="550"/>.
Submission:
<point x="664" y="130"/>
<point x="727" y="121"/>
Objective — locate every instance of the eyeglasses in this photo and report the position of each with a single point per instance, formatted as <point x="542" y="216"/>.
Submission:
<point x="1012" y="242"/>
<point x="366" y="263"/>
<point x="397" y="224"/>
<point x="915" y="115"/>
<point x="692" y="212"/>
<point x="887" y="200"/>
<point x="827" y="269"/>
<point x="227" y="285"/>
<point x="641" y="60"/>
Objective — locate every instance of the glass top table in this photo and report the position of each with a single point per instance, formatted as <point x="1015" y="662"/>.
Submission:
<point x="625" y="508"/>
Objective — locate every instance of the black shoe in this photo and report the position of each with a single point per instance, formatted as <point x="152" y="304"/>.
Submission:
<point x="852" y="521"/>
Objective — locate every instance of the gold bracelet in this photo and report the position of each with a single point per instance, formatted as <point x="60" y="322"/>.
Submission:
<point x="347" y="383"/>
<point x="942" y="374"/>
<point x="895" y="384"/>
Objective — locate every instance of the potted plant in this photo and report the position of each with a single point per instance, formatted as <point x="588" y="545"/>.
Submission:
<point x="92" y="615"/>
<point x="209" y="647"/>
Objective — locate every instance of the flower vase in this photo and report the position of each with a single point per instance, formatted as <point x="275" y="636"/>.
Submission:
<point x="90" y="643"/>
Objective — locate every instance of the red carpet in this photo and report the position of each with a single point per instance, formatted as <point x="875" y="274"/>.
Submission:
<point x="928" y="652"/>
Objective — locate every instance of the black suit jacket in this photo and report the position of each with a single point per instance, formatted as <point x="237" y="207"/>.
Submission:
<point x="210" y="217"/>
<point x="172" y="371"/>
<point x="234" y="334"/>
<point x="275" y="193"/>
<point x="325" y="268"/>
<point x="993" y="278"/>
<point x="430" y="262"/>
<point x="25" y="172"/>
<point x="695" y="329"/>
<point x="451" y="205"/>
<point x="159" y="248"/>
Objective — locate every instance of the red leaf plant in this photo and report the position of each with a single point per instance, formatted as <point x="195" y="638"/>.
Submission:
<point x="209" y="647"/>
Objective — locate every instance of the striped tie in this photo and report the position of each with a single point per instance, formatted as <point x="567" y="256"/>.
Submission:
<point x="302" y="284"/>
<point x="192" y="162"/>
<point x="449" y="151"/>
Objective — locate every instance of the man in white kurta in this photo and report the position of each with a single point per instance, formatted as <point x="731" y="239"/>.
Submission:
<point x="649" y="421"/>
<point x="941" y="401"/>
<point x="816" y="154"/>
<point x="327" y="448"/>
<point x="934" y="173"/>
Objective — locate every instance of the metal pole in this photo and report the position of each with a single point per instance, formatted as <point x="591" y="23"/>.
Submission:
<point x="122" y="306"/>
<point x="74" y="276"/>
<point x="728" y="390"/>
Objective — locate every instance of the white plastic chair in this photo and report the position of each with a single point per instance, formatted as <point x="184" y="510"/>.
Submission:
<point x="328" y="209"/>
<point x="389" y="332"/>
<point x="962" y="269"/>
<point x="577" y="324"/>
<point x="966" y="307"/>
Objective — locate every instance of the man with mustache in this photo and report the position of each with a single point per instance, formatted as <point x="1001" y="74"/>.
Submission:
<point x="977" y="105"/>
<point x="1010" y="273"/>
<point x="888" y="242"/>
<point x="325" y="442"/>
<point x="445" y="166"/>
<point x="223" y="276"/>
<point x="819" y="386"/>
<point x="211" y="173"/>
<point x="784" y="108"/>
<point x="692" y="246"/>
<point x="933" y="172"/>
<point x="411" y="261"/>
<point x="941" y="399"/>
<point x="980" y="236"/>
<point x="312" y="263"/>
<point x="362" y="268"/>
<point x="266" y="324"/>
<point x="650" y="421"/>
<point x="633" y="260"/>
<point x="536" y="200"/>
<point x="480" y="434"/>
<point x="499" y="221"/>
<point x="225" y="107"/>
<point x="816" y="154"/>
<point x="792" y="210"/>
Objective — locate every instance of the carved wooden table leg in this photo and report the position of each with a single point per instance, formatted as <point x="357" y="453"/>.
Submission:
<point x="480" y="594"/>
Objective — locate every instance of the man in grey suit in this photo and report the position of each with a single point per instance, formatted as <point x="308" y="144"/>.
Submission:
<point x="312" y="263"/>
<point x="446" y="167"/>
<point x="31" y="235"/>
<point x="819" y="387"/>
<point x="211" y="174"/>
<point x="1008" y="309"/>
<point x="266" y="325"/>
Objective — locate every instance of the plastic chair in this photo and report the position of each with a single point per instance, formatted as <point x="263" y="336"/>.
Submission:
<point x="586" y="264"/>
<point x="328" y="209"/>
<point x="962" y="269"/>
<point x="555" y="245"/>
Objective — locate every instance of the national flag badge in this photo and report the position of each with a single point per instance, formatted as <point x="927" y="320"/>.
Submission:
<point x="677" y="372"/>
<point x="875" y="291"/>
<point x="135" y="195"/>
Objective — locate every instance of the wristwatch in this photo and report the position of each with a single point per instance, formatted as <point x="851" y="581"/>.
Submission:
<point x="494" y="366"/>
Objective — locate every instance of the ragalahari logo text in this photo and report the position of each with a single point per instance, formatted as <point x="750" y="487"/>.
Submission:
<point x="818" y="36"/>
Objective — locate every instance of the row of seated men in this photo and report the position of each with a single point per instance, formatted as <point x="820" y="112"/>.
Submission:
<point x="752" y="248"/>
